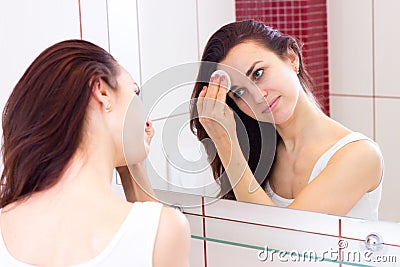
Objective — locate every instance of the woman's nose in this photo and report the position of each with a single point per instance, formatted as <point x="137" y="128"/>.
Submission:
<point x="260" y="96"/>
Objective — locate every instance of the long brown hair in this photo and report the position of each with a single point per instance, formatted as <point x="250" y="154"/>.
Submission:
<point x="260" y="151"/>
<point x="44" y="116"/>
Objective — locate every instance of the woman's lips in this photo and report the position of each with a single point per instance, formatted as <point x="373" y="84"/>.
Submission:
<point x="272" y="105"/>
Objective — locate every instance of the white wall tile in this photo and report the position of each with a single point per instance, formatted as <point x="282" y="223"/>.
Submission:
<point x="355" y="113"/>
<point x="360" y="229"/>
<point x="273" y="216"/>
<point x="211" y="16"/>
<point x="168" y="34"/>
<point x="26" y="29"/>
<point x="196" y="224"/>
<point x="387" y="36"/>
<point x="387" y="136"/>
<point x="116" y="186"/>
<point x="240" y="244"/>
<point x="168" y="92"/>
<point x="196" y="256"/>
<point x="355" y="233"/>
<point x="188" y="203"/>
<point x="188" y="170"/>
<point x="228" y="255"/>
<point x="124" y="36"/>
<point x="357" y="254"/>
<point x="350" y="46"/>
<point x="94" y="22"/>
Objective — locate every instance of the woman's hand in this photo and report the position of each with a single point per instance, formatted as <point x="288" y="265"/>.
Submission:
<point x="149" y="131"/>
<point x="214" y="114"/>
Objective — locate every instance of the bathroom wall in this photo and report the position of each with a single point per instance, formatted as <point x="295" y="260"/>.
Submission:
<point x="148" y="36"/>
<point x="363" y="81"/>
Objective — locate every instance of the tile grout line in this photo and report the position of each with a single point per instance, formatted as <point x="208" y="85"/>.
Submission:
<point x="204" y="231"/>
<point x="198" y="30"/>
<point x="139" y="50"/>
<point x="373" y="73"/>
<point x="80" y="18"/>
<point x="340" y="238"/>
<point x="366" y="96"/>
<point x="108" y="28"/>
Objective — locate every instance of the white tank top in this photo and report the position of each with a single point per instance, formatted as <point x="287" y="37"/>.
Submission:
<point x="366" y="207"/>
<point x="132" y="245"/>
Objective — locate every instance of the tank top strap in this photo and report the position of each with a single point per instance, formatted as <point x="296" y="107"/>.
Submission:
<point x="323" y="160"/>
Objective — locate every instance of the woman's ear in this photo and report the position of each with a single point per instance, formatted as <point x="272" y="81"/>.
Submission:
<point x="102" y="94"/>
<point x="294" y="60"/>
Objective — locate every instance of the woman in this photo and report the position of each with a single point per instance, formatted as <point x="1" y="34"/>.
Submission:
<point x="319" y="164"/>
<point x="62" y="131"/>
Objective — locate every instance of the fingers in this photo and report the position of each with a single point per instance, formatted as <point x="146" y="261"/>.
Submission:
<point x="203" y="92"/>
<point x="200" y="100"/>
<point x="223" y="89"/>
<point x="149" y="131"/>
<point x="217" y="90"/>
<point x="213" y="87"/>
<point x="213" y="97"/>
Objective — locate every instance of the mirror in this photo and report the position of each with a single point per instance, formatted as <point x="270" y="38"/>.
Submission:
<point x="149" y="41"/>
<point x="342" y="103"/>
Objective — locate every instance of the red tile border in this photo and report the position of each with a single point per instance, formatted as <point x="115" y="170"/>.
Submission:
<point x="368" y="96"/>
<point x="204" y="231"/>
<point x="340" y="235"/>
<point x="373" y="73"/>
<point x="80" y="18"/>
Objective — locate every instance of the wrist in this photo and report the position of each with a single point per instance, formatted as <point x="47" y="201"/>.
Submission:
<point x="228" y="149"/>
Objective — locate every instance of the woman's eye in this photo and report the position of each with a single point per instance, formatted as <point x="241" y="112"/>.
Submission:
<point x="238" y="93"/>
<point x="257" y="74"/>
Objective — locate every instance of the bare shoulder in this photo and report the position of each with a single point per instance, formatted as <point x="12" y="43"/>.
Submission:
<point x="173" y="239"/>
<point x="362" y="156"/>
<point x="364" y="149"/>
<point x="173" y="219"/>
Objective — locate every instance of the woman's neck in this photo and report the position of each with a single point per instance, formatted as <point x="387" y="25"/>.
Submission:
<point x="86" y="177"/>
<point x="303" y="126"/>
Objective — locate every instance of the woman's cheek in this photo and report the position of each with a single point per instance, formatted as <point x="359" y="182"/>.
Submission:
<point x="134" y="137"/>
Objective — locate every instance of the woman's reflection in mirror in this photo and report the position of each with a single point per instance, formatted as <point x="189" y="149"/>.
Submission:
<point x="317" y="163"/>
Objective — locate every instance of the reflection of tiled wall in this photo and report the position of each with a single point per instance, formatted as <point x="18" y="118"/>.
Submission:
<point x="307" y="21"/>
<point x="364" y="85"/>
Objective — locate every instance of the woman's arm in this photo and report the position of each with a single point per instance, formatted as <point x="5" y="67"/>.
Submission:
<point x="172" y="243"/>
<point x="244" y="185"/>
<point x="136" y="186"/>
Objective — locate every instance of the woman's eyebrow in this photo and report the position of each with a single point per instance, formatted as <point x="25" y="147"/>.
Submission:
<point x="252" y="68"/>
<point x="233" y="88"/>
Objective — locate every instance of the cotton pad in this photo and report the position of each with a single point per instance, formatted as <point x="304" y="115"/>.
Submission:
<point x="223" y="73"/>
